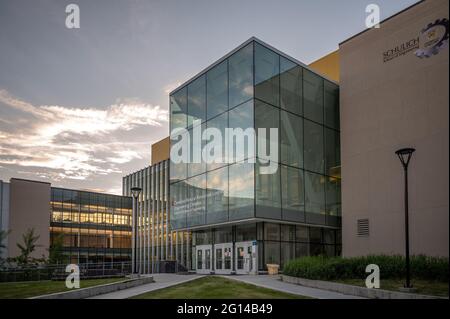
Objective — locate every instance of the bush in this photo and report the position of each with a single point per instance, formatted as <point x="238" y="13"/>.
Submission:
<point x="332" y="268"/>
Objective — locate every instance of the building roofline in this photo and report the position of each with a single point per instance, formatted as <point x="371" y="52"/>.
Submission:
<point x="87" y="191"/>
<point x="383" y="21"/>
<point x="27" y="180"/>
<point x="242" y="45"/>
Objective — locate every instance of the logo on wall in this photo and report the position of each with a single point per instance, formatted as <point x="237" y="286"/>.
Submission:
<point x="433" y="39"/>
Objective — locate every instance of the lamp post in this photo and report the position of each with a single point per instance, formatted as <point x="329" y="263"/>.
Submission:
<point x="405" y="155"/>
<point x="135" y="191"/>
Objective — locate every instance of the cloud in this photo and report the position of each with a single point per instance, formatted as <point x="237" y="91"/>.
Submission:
<point x="170" y="87"/>
<point x="76" y="143"/>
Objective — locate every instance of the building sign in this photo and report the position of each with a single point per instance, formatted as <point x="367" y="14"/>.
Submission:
<point x="431" y="40"/>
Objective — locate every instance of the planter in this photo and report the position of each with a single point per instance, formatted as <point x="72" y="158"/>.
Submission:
<point x="273" y="269"/>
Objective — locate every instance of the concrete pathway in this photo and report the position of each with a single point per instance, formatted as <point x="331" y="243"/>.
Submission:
<point x="161" y="281"/>
<point x="274" y="282"/>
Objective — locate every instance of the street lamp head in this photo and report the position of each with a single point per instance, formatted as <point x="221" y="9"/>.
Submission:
<point x="405" y="154"/>
<point x="135" y="191"/>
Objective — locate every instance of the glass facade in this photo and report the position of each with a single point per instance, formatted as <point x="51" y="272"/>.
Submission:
<point x="259" y="88"/>
<point x="93" y="227"/>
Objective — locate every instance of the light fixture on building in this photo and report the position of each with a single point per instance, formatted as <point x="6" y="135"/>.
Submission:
<point x="405" y="155"/>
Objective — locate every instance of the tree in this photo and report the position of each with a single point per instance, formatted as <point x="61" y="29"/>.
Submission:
<point x="3" y="235"/>
<point x="28" y="246"/>
<point x="55" y="252"/>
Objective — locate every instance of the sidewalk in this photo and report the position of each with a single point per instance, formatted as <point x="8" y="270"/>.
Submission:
<point x="161" y="281"/>
<point x="274" y="282"/>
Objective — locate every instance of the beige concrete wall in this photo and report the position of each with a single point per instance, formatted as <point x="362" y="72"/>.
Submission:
<point x="29" y="207"/>
<point x="160" y="151"/>
<point x="385" y="106"/>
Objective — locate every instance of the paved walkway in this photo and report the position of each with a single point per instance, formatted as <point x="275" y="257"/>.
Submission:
<point x="274" y="282"/>
<point x="161" y="281"/>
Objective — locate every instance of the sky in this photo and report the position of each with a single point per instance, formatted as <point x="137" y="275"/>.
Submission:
<point x="80" y="108"/>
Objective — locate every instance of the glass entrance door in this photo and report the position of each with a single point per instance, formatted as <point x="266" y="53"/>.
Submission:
<point x="246" y="258"/>
<point x="223" y="258"/>
<point x="204" y="259"/>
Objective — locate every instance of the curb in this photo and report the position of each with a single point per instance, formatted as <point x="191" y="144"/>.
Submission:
<point x="97" y="290"/>
<point x="355" y="290"/>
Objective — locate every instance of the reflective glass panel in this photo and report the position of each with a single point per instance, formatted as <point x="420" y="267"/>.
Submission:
<point x="313" y="144"/>
<point x="178" y="109"/>
<point x="315" y="198"/>
<point x="291" y="86"/>
<point x="241" y="191"/>
<point x="267" y="69"/>
<point x="197" y="100"/>
<point x="217" y="196"/>
<point x="217" y="90"/>
<point x="196" y="200"/>
<point x="313" y="96"/>
<point x="292" y="184"/>
<point x="240" y="120"/>
<point x="331" y="97"/>
<point x="241" y="76"/>
<point x="291" y="139"/>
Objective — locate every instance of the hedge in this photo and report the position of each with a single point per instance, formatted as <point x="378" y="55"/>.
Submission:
<point x="393" y="267"/>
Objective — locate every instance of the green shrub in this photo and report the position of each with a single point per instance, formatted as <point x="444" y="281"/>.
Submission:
<point x="332" y="268"/>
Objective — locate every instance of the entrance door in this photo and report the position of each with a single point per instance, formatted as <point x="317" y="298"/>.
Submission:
<point x="246" y="258"/>
<point x="204" y="259"/>
<point x="223" y="258"/>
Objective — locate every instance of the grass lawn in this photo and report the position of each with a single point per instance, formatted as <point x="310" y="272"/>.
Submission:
<point x="424" y="287"/>
<point x="25" y="289"/>
<point x="213" y="287"/>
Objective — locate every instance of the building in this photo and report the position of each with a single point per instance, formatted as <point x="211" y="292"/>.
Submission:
<point x="233" y="217"/>
<point x="394" y="94"/>
<point x="92" y="227"/>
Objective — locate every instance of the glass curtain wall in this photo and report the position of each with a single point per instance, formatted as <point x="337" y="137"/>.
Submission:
<point x="92" y="227"/>
<point x="256" y="87"/>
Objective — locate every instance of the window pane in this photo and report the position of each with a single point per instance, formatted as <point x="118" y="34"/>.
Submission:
<point x="267" y="69"/>
<point x="329" y="236"/>
<point x="333" y="196"/>
<point x="223" y="235"/>
<point x="217" y="196"/>
<point x="315" y="198"/>
<point x="241" y="117"/>
<point x="292" y="194"/>
<point x="241" y="75"/>
<point x="268" y="201"/>
<point x="245" y="232"/>
<point x="313" y="96"/>
<point x="196" y="164"/>
<point x="301" y="234"/>
<point x="271" y="231"/>
<point x="266" y="117"/>
<point x="241" y="190"/>
<point x="178" y="171"/>
<point x="271" y="253"/>
<point x="291" y="88"/>
<point x="178" y="204"/>
<point x="196" y="200"/>
<point x="217" y="90"/>
<point x="178" y="109"/>
<point x="291" y="139"/>
<point x="331" y="103"/>
<point x="197" y="100"/>
<point x="315" y="235"/>
<point x="332" y="153"/>
<point x="313" y="143"/>
<point x="301" y="250"/>
<point x="287" y="232"/>
<point x="219" y="122"/>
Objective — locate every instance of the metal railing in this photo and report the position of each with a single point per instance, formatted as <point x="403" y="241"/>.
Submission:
<point x="12" y="273"/>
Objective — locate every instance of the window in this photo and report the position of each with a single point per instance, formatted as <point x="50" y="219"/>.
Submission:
<point x="221" y="123"/>
<point x="287" y="252"/>
<point x="291" y="139"/>
<point x="272" y="231"/>
<point x="217" y="90"/>
<point x="196" y="200"/>
<point x="241" y="76"/>
<point x="293" y="204"/>
<point x="246" y="232"/>
<point x="333" y="196"/>
<point x="271" y="253"/>
<point x="267" y="69"/>
<point x="313" y="143"/>
<point x="301" y="234"/>
<point x="287" y="232"/>
<point x="313" y="96"/>
<point x="315" y="198"/>
<point x="179" y="204"/>
<point x="178" y="109"/>
<point x="241" y="117"/>
<point x="196" y="165"/>
<point x="241" y="191"/>
<point x="331" y="104"/>
<point x="291" y="86"/>
<point x="332" y="153"/>
<point x="178" y="171"/>
<point x="266" y="117"/>
<point x="217" y="196"/>
<point x="268" y="193"/>
<point x="197" y="100"/>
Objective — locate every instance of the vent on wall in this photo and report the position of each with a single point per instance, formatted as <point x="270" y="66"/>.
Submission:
<point x="363" y="227"/>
